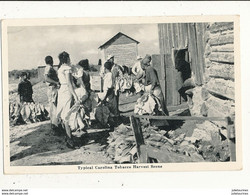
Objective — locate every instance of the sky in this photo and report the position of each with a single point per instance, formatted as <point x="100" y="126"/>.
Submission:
<point x="28" y="46"/>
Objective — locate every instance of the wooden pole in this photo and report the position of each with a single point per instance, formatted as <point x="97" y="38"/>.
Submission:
<point x="231" y="138"/>
<point x="140" y="145"/>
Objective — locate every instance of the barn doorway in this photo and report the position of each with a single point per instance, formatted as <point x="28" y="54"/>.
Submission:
<point x="182" y="65"/>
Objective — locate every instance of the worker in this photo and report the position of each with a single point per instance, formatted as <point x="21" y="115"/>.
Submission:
<point x="152" y="84"/>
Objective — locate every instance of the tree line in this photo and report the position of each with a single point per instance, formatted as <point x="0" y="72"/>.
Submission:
<point x="33" y="73"/>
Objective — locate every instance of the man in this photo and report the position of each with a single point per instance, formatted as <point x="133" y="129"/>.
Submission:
<point x="25" y="89"/>
<point x="136" y="69"/>
<point x="152" y="84"/>
<point x="116" y="71"/>
<point x="53" y="84"/>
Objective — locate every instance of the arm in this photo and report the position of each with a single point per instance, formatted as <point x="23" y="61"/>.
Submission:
<point x="19" y="92"/>
<point x="134" y="69"/>
<point x="153" y="78"/>
<point x="30" y="87"/>
<point x="49" y="80"/>
<point x="19" y="89"/>
<point x="107" y="86"/>
<point x="70" y="85"/>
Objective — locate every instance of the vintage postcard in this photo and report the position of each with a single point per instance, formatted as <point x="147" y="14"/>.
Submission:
<point x="123" y="94"/>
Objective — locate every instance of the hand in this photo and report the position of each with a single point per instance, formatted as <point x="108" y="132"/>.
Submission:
<point x="76" y="99"/>
<point x="151" y="91"/>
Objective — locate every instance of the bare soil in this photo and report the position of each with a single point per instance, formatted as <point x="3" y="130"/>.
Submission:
<point x="34" y="144"/>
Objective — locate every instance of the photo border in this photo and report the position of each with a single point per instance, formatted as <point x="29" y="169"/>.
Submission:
<point x="197" y="166"/>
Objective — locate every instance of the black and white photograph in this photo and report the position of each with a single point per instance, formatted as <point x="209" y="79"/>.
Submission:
<point x="121" y="96"/>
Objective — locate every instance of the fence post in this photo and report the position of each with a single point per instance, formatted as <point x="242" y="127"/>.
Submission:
<point x="140" y="145"/>
<point x="231" y="138"/>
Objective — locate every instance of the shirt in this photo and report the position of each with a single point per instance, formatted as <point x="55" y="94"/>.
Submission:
<point x="51" y="73"/>
<point x="151" y="77"/>
<point x="25" y="91"/>
<point x="108" y="81"/>
<point x="137" y="68"/>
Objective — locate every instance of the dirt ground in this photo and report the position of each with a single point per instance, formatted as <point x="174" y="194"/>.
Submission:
<point x="34" y="144"/>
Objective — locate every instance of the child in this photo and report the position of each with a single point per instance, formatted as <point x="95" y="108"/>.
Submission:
<point x="25" y="89"/>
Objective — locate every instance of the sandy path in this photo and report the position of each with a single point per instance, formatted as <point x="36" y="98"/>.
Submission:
<point x="34" y="144"/>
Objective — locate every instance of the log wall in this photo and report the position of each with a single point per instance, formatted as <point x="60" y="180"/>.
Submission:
<point x="215" y="97"/>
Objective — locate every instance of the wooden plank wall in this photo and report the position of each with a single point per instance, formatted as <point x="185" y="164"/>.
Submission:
<point x="179" y="36"/>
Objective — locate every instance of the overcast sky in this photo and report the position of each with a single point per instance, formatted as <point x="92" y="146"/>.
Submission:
<point x="28" y="46"/>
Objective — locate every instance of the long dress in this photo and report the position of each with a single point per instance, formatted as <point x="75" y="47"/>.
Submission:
<point x="52" y="93"/>
<point x="64" y="95"/>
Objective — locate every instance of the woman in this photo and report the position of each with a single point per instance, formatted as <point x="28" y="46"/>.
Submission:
<point x="66" y="94"/>
<point x="108" y="94"/>
<point x="52" y="82"/>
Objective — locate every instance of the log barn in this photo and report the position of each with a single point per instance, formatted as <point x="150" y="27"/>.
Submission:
<point x="123" y="47"/>
<point x="208" y="48"/>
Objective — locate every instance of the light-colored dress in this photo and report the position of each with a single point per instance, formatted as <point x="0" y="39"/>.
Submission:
<point x="64" y="95"/>
<point x="52" y="94"/>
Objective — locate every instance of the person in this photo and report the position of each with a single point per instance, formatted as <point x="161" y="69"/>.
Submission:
<point x="139" y="75"/>
<point x="183" y="74"/>
<point x="136" y="69"/>
<point x="110" y="58"/>
<point x="66" y="94"/>
<point x="152" y="84"/>
<point x="25" y="89"/>
<point x="108" y="94"/>
<point x="85" y="75"/>
<point x="52" y="81"/>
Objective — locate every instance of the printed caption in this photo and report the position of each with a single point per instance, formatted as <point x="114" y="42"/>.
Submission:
<point x="15" y="192"/>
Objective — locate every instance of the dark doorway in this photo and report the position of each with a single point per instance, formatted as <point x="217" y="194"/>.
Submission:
<point x="182" y="65"/>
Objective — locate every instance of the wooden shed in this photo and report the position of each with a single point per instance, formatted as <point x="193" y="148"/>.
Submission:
<point x="123" y="47"/>
<point x="174" y="38"/>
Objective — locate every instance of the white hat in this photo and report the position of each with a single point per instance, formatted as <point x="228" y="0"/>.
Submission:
<point x="138" y="57"/>
<point x="109" y="57"/>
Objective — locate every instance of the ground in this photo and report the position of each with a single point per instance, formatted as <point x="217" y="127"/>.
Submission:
<point x="34" y="144"/>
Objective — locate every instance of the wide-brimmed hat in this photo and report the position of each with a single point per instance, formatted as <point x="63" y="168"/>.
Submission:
<point x="138" y="57"/>
<point x="109" y="57"/>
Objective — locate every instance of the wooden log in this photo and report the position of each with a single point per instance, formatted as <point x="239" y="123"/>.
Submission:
<point x="223" y="48"/>
<point x="231" y="139"/>
<point x="141" y="148"/>
<point x="221" y="87"/>
<point x="221" y="40"/>
<point x="227" y="57"/>
<point x="221" y="26"/>
<point x="225" y="107"/>
<point x="220" y="70"/>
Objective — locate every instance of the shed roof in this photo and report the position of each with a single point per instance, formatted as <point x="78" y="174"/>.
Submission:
<point x="110" y="41"/>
